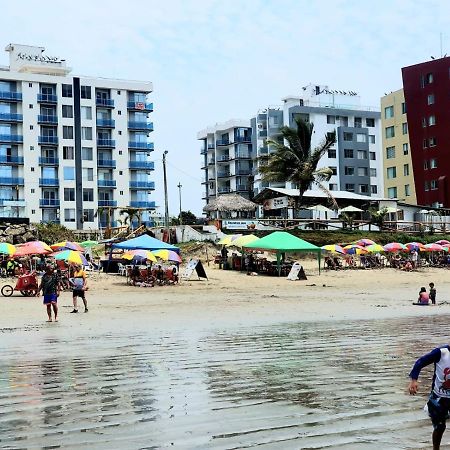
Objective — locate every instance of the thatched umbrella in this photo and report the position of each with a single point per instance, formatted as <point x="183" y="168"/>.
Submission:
<point x="230" y="203"/>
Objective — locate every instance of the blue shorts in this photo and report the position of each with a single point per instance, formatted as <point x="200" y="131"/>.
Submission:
<point x="50" y="298"/>
<point x="438" y="410"/>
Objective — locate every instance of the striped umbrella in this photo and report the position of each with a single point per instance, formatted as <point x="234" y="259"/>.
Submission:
<point x="374" y="248"/>
<point x="67" y="245"/>
<point x="32" y="248"/>
<point x="443" y="242"/>
<point x="7" y="249"/>
<point x="139" y="253"/>
<point x="333" y="248"/>
<point x="395" y="247"/>
<point x="353" y="249"/>
<point x="71" y="256"/>
<point x="432" y="248"/>
<point x="364" y="242"/>
<point x="167" y="255"/>
<point x="414" y="246"/>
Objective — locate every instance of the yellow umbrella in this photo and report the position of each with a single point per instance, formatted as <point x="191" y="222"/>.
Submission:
<point x="374" y="248"/>
<point x="139" y="254"/>
<point x="229" y="239"/>
<point x="243" y="241"/>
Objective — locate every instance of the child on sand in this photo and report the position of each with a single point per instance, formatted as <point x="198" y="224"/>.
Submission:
<point x="432" y="293"/>
<point x="424" y="298"/>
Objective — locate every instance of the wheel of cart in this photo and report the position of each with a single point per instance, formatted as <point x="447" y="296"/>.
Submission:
<point x="7" y="290"/>
<point x="26" y="284"/>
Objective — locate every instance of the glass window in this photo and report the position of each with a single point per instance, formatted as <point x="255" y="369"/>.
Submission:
<point x="68" y="152"/>
<point x="363" y="171"/>
<point x="430" y="99"/>
<point x="403" y="108"/>
<point x="405" y="128"/>
<point x="88" y="195"/>
<point x="407" y="190"/>
<point x="348" y="136"/>
<point x="405" y="170"/>
<point x="362" y="154"/>
<point x="425" y="164"/>
<point x="390" y="132"/>
<point x="425" y="143"/>
<point x="431" y="120"/>
<point x="372" y="156"/>
<point x="433" y="185"/>
<point x="370" y="123"/>
<point x="69" y="173"/>
<point x="88" y="174"/>
<point x="348" y="153"/>
<point x="429" y="78"/>
<point x="86" y="133"/>
<point x="69" y="194"/>
<point x="88" y="215"/>
<point x="332" y="153"/>
<point x="69" y="215"/>
<point x="332" y="187"/>
<point x="405" y="148"/>
<point x="67" y="132"/>
<point x="358" y="122"/>
<point x="390" y="152"/>
<point x="86" y="153"/>
<point x="389" y="112"/>
<point x="426" y="185"/>
<point x="361" y="137"/>
<point x="348" y="170"/>
<point x="350" y="187"/>
<point x="67" y="90"/>
<point x="363" y="188"/>
<point x="391" y="173"/>
<point x="67" y="111"/>
<point x="433" y="163"/>
<point x="392" y="192"/>
<point x="374" y="189"/>
<point x="331" y="119"/>
<point x="371" y="139"/>
<point x="424" y="122"/>
<point x="333" y="170"/>
<point x="86" y="112"/>
<point x="432" y="142"/>
<point x="85" y="92"/>
<point x="373" y="172"/>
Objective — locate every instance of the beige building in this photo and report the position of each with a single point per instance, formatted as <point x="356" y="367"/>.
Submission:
<point x="397" y="165"/>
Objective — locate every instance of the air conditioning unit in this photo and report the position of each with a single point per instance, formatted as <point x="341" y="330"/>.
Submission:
<point x="260" y="126"/>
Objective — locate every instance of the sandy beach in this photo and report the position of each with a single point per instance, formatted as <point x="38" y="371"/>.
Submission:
<point x="234" y="361"/>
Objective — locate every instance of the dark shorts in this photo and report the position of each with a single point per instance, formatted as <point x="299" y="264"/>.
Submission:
<point x="78" y="293"/>
<point x="50" y="298"/>
<point x="438" y="410"/>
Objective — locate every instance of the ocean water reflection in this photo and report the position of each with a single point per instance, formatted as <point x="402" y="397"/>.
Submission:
<point x="305" y="385"/>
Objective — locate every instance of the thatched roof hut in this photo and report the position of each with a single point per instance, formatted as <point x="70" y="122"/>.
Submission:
<point x="226" y="205"/>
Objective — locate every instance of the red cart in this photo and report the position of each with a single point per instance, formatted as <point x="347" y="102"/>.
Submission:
<point x="26" y="284"/>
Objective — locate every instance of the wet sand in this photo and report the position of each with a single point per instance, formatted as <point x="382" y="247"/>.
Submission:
<point x="233" y="362"/>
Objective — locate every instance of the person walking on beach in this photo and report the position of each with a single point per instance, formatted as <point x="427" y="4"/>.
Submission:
<point x="439" y="400"/>
<point x="432" y="293"/>
<point x="50" y="288"/>
<point x="79" y="281"/>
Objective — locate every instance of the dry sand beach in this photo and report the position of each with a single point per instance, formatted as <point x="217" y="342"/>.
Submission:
<point x="233" y="362"/>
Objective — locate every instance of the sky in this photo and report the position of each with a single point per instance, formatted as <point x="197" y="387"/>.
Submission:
<point x="211" y="60"/>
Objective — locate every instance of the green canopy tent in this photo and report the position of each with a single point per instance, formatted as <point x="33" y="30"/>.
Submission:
<point x="282" y="242"/>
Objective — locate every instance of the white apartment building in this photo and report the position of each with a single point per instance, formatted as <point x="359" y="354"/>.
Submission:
<point x="73" y="150"/>
<point x="227" y="158"/>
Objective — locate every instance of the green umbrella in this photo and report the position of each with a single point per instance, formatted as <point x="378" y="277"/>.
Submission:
<point x="88" y="244"/>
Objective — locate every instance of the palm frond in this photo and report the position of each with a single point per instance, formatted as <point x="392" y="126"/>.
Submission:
<point x="331" y="200"/>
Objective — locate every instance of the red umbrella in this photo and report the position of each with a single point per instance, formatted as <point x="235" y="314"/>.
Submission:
<point x="364" y="242"/>
<point x="32" y="248"/>
<point x="394" y="247"/>
<point x="433" y="248"/>
<point x="442" y="242"/>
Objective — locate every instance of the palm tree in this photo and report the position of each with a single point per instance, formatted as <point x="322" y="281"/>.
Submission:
<point x="295" y="161"/>
<point x="131" y="214"/>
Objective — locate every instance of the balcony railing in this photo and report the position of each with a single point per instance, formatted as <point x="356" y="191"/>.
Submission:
<point x="211" y="147"/>
<point x="203" y="151"/>
<point x="141" y="145"/>
<point x="146" y="165"/>
<point x="13" y="96"/>
<point x="11" y="181"/>
<point x="18" y="202"/>
<point x="262" y="133"/>
<point x="134" y="125"/>
<point x="104" y="224"/>
<point x="48" y="182"/>
<point x="223" y="190"/>
<point x="106" y="143"/>
<point x="263" y="150"/>
<point x="140" y="204"/>
<point x="241" y="139"/>
<point x="223" y="158"/>
<point x="47" y="98"/>
<point x="47" y="119"/>
<point x="243" y="156"/>
<point x="12" y="138"/>
<point x="107" y="203"/>
<point x="244" y="171"/>
<point x="52" y="202"/>
<point x="48" y="161"/>
<point x="48" y="140"/>
<point x="223" y="174"/>
<point x="223" y="142"/>
<point x="106" y="123"/>
<point x="211" y="162"/>
<point x="142" y="185"/>
<point x="106" y="163"/>
<point x="106" y="183"/>
<point x="106" y="102"/>
<point x="10" y="117"/>
<point x="140" y="106"/>
<point x="11" y="159"/>
<point x="242" y="187"/>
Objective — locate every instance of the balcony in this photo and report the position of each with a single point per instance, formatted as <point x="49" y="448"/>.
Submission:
<point x="211" y="147"/>
<point x="48" y="161"/>
<point x="220" y="142"/>
<point x="48" y="140"/>
<point x="9" y="117"/>
<point x="49" y="202"/>
<point x="105" y="102"/>
<point x="223" y="190"/>
<point x="203" y="151"/>
<point x="262" y="133"/>
<point x="11" y="96"/>
<point x="263" y="150"/>
<point x="19" y="202"/>
<point x="141" y="145"/>
<point x="140" y="106"/>
<point x="145" y="165"/>
<point x="242" y="187"/>
<point x="110" y="143"/>
<point x="106" y="183"/>
<point x="47" y="98"/>
<point x="146" y="126"/>
<point x="140" y="204"/>
<point x="49" y="182"/>
<point x="48" y="119"/>
<point x="243" y="139"/>
<point x="4" y="159"/>
<point x="11" y="181"/>
<point x="106" y="123"/>
<point x="244" y="171"/>
<point x="142" y="185"/>
<point x="103" y="203"/>
<point x="243" y="156"/>
<point x="223" y="174"/>
<point x="110" y="163"/>
<point x="11" y="138"/>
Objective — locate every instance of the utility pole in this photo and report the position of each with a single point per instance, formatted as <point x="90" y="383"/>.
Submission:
<point x="166" y="199"/>
<point x="179" y="186"/>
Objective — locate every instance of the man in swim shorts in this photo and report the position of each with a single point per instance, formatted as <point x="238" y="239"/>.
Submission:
<point x="50" y="288"/>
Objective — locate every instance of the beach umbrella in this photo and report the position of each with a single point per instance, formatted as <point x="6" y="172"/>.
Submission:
<point x="243" y="240"/>
<point x="364" y="242"/>
<point x="374" y="248"/>
<point x="143" y="254"/>
<point x="167" y="255"/>
<point x="7" y="249"/>
<point x="71" y="256"/>
<point x="414" y="246"/>
<point x="88" y="244"/>
<point x="333" y="248"/>
<point x="443" y="242"/>
<point x="432" y="248"/>
<point x="395" y="247"/>
<point x="227" y="240"/>
<point x="67" y="245"/>
<point x="353" y="249"/>
<point x="350" y="209"/>
<point x="32" y="248"/>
